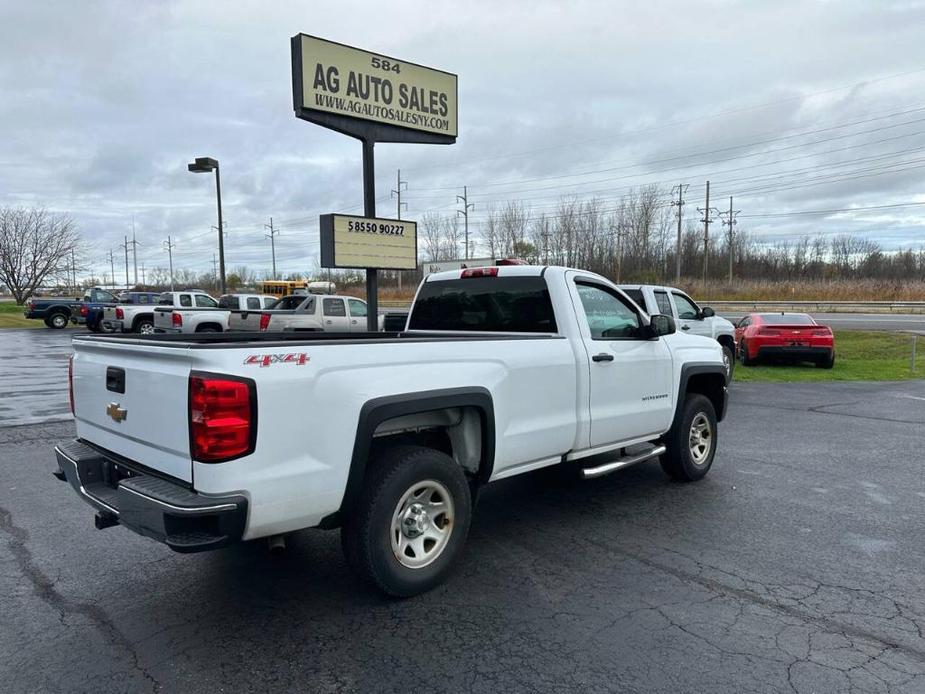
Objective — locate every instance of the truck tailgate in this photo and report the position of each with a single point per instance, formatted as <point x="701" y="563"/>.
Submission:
<point x="147" y="422"/>
<point x="246" y="321"/>
<point x="163" y="318"/>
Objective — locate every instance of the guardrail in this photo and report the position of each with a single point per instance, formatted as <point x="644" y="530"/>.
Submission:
<point x="821" y="306"/>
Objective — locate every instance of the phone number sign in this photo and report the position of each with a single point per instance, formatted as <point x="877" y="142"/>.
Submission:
<point x="371" y="243"/>
<point x="333" y="78"/>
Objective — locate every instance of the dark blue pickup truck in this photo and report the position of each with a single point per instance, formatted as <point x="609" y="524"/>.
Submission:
<point x="58" y="312"/>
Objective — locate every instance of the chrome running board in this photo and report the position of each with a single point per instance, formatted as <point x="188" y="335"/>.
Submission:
<point x="620" y="463"/>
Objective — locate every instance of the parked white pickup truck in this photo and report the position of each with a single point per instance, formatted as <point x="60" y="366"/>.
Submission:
<point x="307" y="312"/>
<point x="208" y="320"/>
<point x="139" y="318"/>
<point x="502" y="370"/>
<point x="688" y="316"/>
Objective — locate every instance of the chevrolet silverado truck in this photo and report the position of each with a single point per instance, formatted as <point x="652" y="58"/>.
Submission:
<point x="305" y="312"/>
<point x="135" y="318"/>
<point x="94" y="312"/>
<point x="208" y="320"/>
<point x="689" y="317"/>
<point x="501" y="371"/>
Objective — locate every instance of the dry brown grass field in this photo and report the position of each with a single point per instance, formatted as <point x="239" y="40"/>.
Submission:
<point x="755" y="290"/>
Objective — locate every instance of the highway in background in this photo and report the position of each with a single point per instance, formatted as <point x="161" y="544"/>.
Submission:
<point x="855" y="321"/>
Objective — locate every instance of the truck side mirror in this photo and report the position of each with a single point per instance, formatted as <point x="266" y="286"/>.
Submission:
<point x="707" y="312"/>
<point x="660" y="324"/>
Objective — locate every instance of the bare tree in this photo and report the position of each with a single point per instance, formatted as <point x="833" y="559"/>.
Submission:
<point x="35" y="245"/>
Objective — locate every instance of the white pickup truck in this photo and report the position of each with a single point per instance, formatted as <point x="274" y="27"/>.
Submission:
<point x="306" y="312"/>
<point x="689" y="317"/>
<point x="502" y="370"/>
<point x="140" y="318"/>
<point x="202" y="319"/>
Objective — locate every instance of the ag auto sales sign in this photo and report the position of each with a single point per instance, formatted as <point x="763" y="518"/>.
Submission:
<point x="330" y="77"/>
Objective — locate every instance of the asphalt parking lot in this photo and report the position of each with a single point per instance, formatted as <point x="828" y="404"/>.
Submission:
<point x="795" y="566"/>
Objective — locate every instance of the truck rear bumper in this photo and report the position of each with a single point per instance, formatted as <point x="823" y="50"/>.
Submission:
<point x="151" y="506"/>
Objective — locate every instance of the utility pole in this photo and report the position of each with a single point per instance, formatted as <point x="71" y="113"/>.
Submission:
<point x="112" y="267"/>
<point x="134" y="250"/>
<point x="396" y="193"/>
<point x="74" y="269"/>
<point x="169" y="246"/>
<point x="681" y="188"/>
<point x="125" y="246"/>
<point x="215" y="268"/>
<point x="272" y="237"/>
<point x="730" y="221"/>
<point x="143" y="282"/>
<point x="464" y="198"/>
<point x="706" y="211"/>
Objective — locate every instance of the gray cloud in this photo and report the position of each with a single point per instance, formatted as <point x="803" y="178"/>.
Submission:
<point x="104" y="103"/>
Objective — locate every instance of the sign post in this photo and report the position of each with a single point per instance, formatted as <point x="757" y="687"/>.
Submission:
<point x="374" y="98"/>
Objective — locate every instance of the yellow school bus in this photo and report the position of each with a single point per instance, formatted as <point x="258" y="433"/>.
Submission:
<point x="280" y="287"/>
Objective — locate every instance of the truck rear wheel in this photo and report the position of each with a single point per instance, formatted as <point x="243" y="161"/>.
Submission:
<point x="411" y="521"/>
<point x="144" y="326"/>
<point x="692" y="440"/>
<point x="57" y="320"/>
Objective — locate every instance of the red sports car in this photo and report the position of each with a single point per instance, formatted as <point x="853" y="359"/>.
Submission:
<point x="785" y="336"/>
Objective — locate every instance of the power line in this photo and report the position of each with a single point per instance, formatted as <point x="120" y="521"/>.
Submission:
<point x="831" y="210"/>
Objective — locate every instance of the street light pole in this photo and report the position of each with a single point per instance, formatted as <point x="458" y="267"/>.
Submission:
<point x="221" y="227"/>
<point x="204" y="165"/>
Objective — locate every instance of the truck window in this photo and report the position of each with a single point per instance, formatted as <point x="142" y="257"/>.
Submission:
<point x="228" y="301"/>
<point x="253" y="302"/>
<point x="186" y="300"/>
<point x="663" y="303"/>
<point x="333" y="307"/>
<point x="357" y="308"/>
<point x="203" y="301"/>
<point x="268" y="301"/>
<point x="636" y="295"/>
<point x="608" y="316"/>
<point x="687" y="309"/>
<point x="485" y="304"/>
<point x="165" y="299"/>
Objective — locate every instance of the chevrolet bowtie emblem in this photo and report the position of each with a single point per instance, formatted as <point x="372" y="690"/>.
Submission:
<point x="116" y="412"/>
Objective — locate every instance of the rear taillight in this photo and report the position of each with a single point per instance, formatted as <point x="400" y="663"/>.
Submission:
<point x="120" y="314"/>
<point x="479" y="272"/>
<point x="176" y="320"/>
<point x="822" y="332"/>
<point x="264" y="322"/>
<point x="84" y="311"/>
<point x="70" y="381"/>
<point x="222" y="417"/>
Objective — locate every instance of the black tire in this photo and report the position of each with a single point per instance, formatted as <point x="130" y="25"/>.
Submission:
<point x="826" y="362"/>
<point x="366" y="536"/>
<point x="144" y="326"/>
<point x="743" y="352"/>
<point x="57" y="320"/>
<point x="679" y="461"/>
<point x="729" y="361"/>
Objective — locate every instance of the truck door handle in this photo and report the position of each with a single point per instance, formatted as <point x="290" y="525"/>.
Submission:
<point x="602" y="357"/>
<point x="685" y="327"/>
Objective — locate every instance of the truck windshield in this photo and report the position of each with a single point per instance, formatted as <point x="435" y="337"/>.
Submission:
<point x="485" y="304"/>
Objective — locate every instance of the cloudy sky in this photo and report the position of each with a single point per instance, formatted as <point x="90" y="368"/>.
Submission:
<point x="792" y="107"/>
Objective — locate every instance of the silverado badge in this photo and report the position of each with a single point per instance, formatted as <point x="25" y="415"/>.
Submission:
<point x="116" y="412"/>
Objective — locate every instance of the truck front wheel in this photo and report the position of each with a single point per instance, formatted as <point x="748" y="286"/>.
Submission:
<point x="410" y="523"/>
<point x="692" y="440"/>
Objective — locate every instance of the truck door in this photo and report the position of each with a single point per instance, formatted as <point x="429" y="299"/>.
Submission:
<point x="630" y="374"/>
<point x="689" y="318"/>
<point x="357" y="308"/>
<point x="335" y="315"/>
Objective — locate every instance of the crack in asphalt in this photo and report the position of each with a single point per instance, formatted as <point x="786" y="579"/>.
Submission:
<point x="45" y="590"/>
